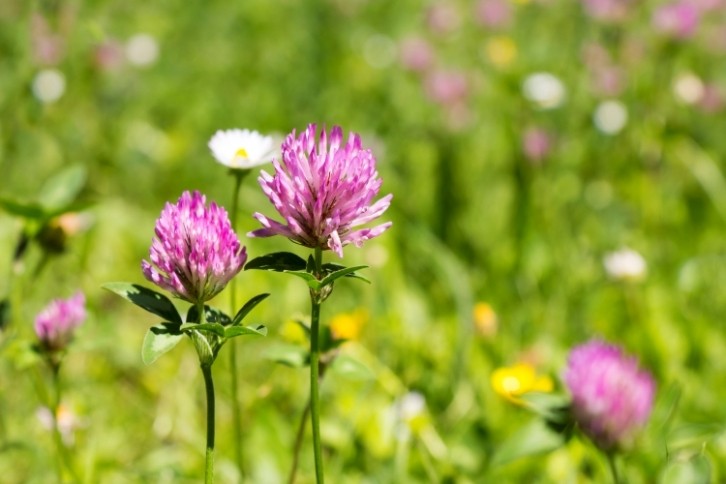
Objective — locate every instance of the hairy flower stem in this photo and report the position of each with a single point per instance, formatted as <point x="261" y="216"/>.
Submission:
<point x="315" y="371"/>
<point x="236" y="411"/>
<point x="298" y="444"/>
<point x="209" y="387"/>
<point x="206" y="366"/>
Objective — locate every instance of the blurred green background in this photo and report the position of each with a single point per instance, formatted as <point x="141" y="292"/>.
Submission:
<point x="524" y="142"/>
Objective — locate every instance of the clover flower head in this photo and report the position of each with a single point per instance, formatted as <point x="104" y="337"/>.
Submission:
<point x="195" y="252"/>
<point x="323" y="189"/>
<point x="611" y="396"/>
<point x="241" y="149"/>
<point x="57" y="322"/>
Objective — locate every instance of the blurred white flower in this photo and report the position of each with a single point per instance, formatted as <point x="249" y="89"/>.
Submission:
<point x="242" y="149"/>
<point x="544" y="89"/>
<point x="68" y="421"/>
<point x="625" y="264"/>
<point x="610" y="117"/>
<point x="688" y="88"/>
<point x="49" y="85"/>
<point x="142" y="50"/>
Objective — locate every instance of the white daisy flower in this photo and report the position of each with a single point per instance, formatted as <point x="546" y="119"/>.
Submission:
<point x="625" y="264"/>
<point x="242" y="149"/>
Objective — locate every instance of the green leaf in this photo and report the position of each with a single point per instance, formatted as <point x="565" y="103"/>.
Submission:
<point x="289" y="355"/>
<point x="159" y="340"/>
<point x="215" y="328"/>
<point x="351" y="368"/>
<point x="555" y="408"/>
<point x="234" y="331"/>
<point x="348" y="271"/>
<point x="312" y="282"/>
<point x="29" y="210"/>
<point x="212" y="315"/>
<point x="534" y="438"/>
<point x="63" y="188"/>
<point x="696" y="470"/>
<point x="5" y="313"/>
<point x="277" y="261"/>
<point x="146" y="299"/>
<point x="331" y="267"/>
<point x="249" y="306"/>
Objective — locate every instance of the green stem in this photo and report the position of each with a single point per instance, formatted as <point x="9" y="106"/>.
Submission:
<point x="613" y="468"/>
<point x="315" y="372"/>
<point x="209" y="387"/>
<point x="63" y="458"/>
<point x="298" y="444"/>
<point x="236" y="412"/>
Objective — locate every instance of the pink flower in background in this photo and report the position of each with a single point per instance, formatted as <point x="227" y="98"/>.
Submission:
<point x="443" y="18"/>
<point x="48" y="46"/>
<point x="607" y="10"/>
<point x="195" y="252"/>
<point x="712" y="100"/>
<point x="608" y="81"/>
<point x="56" y="324"/>
<point x="611" y="396"/>
<point x="109" y="55"/>
<point x="416" y="54"/>
<point x="678" y="19"/>
<point x="323" y="189"/>
<point x="446" y="87"/>
<point x="493" y="13"/>
<point x="536" y="144"/>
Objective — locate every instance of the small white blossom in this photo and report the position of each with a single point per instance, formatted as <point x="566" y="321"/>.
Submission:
<point x="625" y="264"/>
<point x="544" y="89"/>
<point x="49" y="85"/>
<point x="242" y="149"/>
<point x="610" y="117"/>
<point x="142" y="50"/>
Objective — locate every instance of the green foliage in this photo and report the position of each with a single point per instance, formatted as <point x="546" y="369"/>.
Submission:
<point x="476" y="219"/>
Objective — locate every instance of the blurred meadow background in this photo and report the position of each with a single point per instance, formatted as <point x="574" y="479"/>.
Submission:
<point x="557" y="171"/>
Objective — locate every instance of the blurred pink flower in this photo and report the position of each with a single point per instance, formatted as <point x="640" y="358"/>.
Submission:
<point x="446" y="87"/>
<point x="323" y="189"/>
<point x="56" y="324"/>
<point x="109" y="55"/>
<point x="611" y="396"/>
<point x="416" y="54"/>
<point x="48" y="47"/>
<point x="536" y="144"/>
<point x="493" y="13"/>
<point x="195" y="252"/>
<point x="608" y="81"/>
<point x="679" y="19"/>
<point x="712" y="100"/>
<point x="607" y="10"/>
<point x="443" y="18"/>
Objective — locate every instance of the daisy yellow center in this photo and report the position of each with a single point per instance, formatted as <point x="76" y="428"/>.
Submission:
<point x="241" y="153"/>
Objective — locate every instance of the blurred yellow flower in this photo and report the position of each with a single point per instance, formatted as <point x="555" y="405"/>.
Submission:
<point x="501" y="51"/>
<point x="485" y="320"/>
<point x="514" y="381"/>
<point x="348" y="326"/>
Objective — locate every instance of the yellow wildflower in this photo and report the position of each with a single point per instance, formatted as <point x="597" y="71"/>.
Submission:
<point x="348" y="326"/>
<point x="501" y="51"/>
<point x="293" y="333"/>
<point x="514" y="381"/>
<point x="485" y="320"/>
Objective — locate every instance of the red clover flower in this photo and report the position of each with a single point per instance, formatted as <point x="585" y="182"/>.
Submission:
<point x="323" y="189"/>
<point x="611" y="396"/>
<point x="195" y="252"/>
<point x="56" y="324"/>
